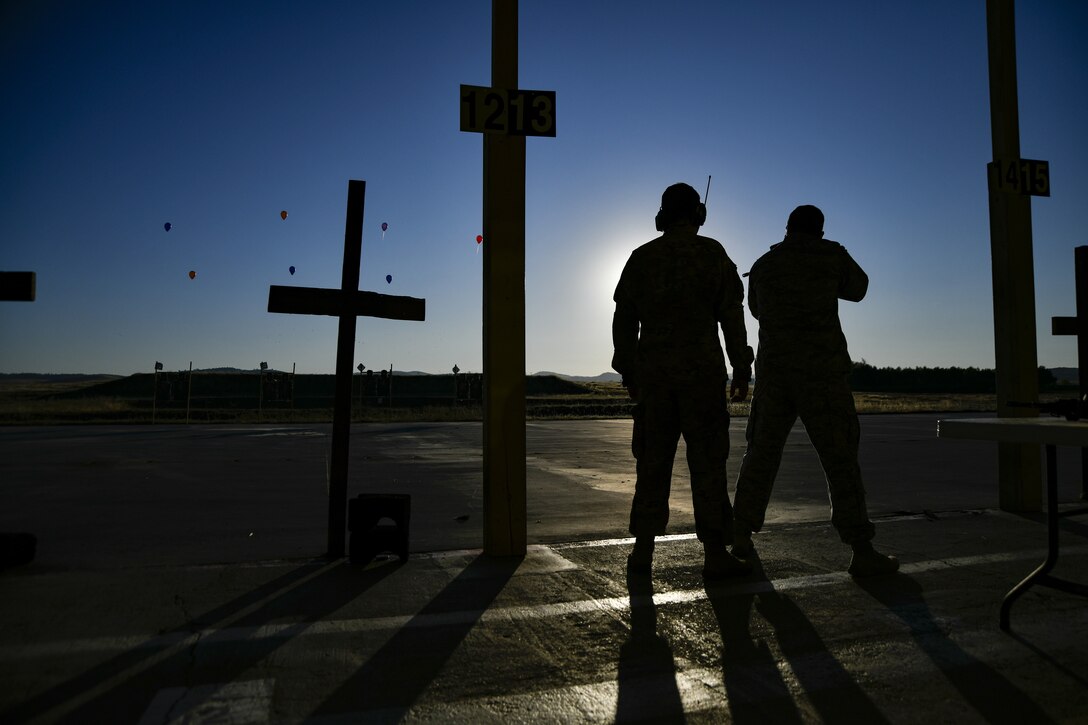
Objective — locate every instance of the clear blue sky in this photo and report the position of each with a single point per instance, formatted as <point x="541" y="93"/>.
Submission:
<point x="214" y="116"/>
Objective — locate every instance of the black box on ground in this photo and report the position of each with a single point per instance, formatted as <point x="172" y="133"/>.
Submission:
<point x="377" y="523"/>
<point x="17" y="549"/>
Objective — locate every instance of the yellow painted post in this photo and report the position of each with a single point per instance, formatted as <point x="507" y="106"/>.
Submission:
<point x="504" y="309"/>
<point x="1019" y="476"/>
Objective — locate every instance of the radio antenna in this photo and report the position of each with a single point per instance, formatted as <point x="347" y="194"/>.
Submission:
<point x="707" y="194"/>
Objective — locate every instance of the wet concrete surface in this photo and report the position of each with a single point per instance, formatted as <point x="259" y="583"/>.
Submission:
<point x="179" y="580"/>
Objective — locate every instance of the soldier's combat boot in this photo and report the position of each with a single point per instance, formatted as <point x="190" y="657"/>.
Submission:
<point x="742" y="539"/>
<point x="718" y="563"/>
<point x="867" y="561"/>
<point x="640" y="560"/>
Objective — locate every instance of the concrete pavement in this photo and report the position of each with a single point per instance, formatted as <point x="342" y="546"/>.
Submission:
<point x="150" y="601"/>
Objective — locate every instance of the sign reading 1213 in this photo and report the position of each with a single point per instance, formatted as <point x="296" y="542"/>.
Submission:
<point x="515" y="113"/>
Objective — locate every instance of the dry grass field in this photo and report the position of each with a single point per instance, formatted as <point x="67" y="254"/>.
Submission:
<point x="40" y="402"/>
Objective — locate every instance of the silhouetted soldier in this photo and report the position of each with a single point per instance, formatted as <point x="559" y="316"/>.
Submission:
<point x="673" y="294"/>
<point x="802" y="370"/>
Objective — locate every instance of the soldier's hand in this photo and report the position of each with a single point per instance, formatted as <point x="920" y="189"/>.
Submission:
<point x="738" y="391"/>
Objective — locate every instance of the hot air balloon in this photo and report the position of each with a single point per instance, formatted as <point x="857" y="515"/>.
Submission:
<point x="388" y="279"/>
<point x="479" y="238"/>
<point x="291" y="269"/>
<point x="192" y="274"/>
<point x="283" y="215"/>
<point x="167" y="226"/>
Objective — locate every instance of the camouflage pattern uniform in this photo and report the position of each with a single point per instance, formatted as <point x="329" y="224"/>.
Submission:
<point x="671" y="297"/>
<point x="802" y="369"/>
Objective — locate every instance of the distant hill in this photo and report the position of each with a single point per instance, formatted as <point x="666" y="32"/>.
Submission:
<point x="56" y="377"/>
<point x="241" y="388"/>
<point x="1070" y="375"/>
<point x="602" y="378"/>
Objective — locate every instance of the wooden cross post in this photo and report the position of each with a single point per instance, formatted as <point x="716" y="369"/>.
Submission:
<point x="1079" y="326"/>
<point x="1018" y="465"/>
<point x="346" y="303"/>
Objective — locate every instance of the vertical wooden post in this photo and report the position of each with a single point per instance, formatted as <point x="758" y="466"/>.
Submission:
<point x="504" y="309"/>
<point x="1080" y="266"/>
<point x="1079" y="326"/>
<point x="1019" y="479"/>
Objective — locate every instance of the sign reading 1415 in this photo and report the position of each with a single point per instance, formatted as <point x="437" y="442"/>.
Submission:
<point x="1025" y="176"/>
<point x="511" y="112"/>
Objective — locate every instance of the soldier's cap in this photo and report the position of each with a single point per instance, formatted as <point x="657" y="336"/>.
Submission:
<point x="806" y="219"/>
<point x="679" y="199"/>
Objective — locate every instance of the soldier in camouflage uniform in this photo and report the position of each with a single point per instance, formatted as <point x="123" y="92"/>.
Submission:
<point x="801" y="370"/>
<point x="673" y="294"/>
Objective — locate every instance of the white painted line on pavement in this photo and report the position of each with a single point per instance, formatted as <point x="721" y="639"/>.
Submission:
<point x="173" y="641"/>
<point x="654" y="699"/>
<point x="229" y="703"/>
<point x="160" y="648"/>
<point x="624" y="541"/>
<point x="296" y="433"/>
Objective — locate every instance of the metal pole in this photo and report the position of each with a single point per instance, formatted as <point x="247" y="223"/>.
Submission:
<point x="1019" y="481"/>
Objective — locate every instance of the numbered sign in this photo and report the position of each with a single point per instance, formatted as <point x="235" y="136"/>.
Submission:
<point x="511" y="112"/>
<point x="1026" y="176"/>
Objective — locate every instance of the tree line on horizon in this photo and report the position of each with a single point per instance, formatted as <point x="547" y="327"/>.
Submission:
<point x="868" y="378"/>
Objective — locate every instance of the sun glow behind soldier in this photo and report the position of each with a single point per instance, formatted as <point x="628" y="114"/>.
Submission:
<point x="672" y="296"/>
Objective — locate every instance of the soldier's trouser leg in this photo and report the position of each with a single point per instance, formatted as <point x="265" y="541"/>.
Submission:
<point x="827" y="410"/>
<point x="770" y="420"/>
<point x="704" y="420"/>
<point x="653" y="443"/>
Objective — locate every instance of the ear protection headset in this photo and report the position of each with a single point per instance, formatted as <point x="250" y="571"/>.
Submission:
<point x="663" y="218"/>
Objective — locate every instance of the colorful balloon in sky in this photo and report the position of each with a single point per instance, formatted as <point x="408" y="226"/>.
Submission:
<point x="192" y="274"/>
<point x="385" y="225"/>
<point x="291" y="269"/>
<point x="479" y="238"/>
<point x="388" y="279"/>
<point x="167" y="226"/>
<point x="283" y="215"/>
